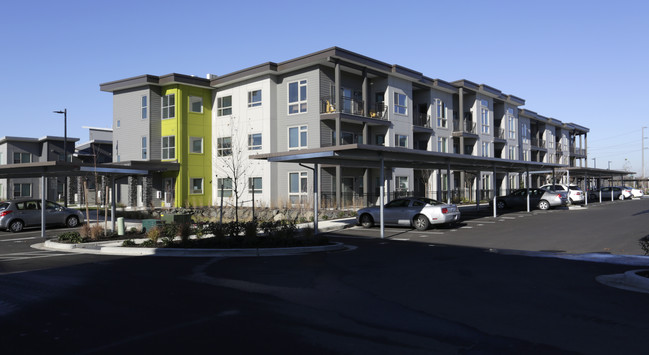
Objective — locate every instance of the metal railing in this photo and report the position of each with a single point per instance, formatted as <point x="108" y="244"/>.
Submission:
<point x="499" y="133"/>
<point x="469" y="126"/>
<point x="421" y="120"/>
<point x="352" y="200"/>
<point x="540" y="143"/>
<point x="353" y="107"/>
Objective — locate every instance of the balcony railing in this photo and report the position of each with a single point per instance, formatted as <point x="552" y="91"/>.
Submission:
<point x="577" y="151"/>
<point x="353" y="107"/>
<point x="559" y="147"/>
<point x="540" y="143"/>
<point x="499" y="133"/>
<point x="422" y="120"/>
<point x="469" y="126"/>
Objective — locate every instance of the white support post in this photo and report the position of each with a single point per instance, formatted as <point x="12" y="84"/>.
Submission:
<point x="43" y="206"/>
<point x="493" y="183"/>
<point x="315" y="199"/>
<point x="382" y="193"/>
<point x="527" y="187"/>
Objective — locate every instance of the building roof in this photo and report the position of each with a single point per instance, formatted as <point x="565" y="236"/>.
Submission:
<point x="6" y="139"/>
<point x="147" y="79"/>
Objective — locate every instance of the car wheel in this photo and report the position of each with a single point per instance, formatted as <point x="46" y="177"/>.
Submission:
<point x="544" y="205"/>
<point x="16" y="226"/>
<point x="421" y="222"/>
<point x="367" y="221"/>
<point x="72" y="222"/>
<point x="500" y="204"/>
<point x="621" y="197"/>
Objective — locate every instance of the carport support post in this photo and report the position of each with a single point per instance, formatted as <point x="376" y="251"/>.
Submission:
<point x="315" y="199"/>
<point x="527" y="186"/>
<point x="113" y="203"/>
<point x="478" y="181"/>
<point x="448" y="181"/>
<point x="42" y="206"/>
<point x="493" y="183"/>
<point x="585" y="191"/>
<point x="382" y="192"/>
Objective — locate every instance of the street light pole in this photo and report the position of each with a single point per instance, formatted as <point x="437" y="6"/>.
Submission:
<point x="609" y="165"/>
<point x="65" y="152"/>
<point x="594" y="163"/>
<point x="643" y="138"/>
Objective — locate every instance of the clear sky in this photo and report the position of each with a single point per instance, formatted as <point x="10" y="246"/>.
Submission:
<point x="577" y="61"/>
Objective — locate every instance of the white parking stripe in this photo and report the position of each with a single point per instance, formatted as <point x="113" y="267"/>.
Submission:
<point x="15" y="239"/>
<point x="29" y="255"/>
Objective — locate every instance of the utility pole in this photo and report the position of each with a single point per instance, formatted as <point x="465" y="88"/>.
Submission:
<point x="594" y="163"/>
<point x="643" y="138"/>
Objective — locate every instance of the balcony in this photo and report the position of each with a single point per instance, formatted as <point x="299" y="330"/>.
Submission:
<point x="351" y="106"/>
<point x="468" y="129"/>
<point x="422" y="120"/>
<point x="538" y="143"/>
<point x="559" y="147"/>
<point x="499" y="133"/>
<point x="577" y="151"/>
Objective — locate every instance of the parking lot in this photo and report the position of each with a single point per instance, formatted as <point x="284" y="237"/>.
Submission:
<point x="609" y="227"/>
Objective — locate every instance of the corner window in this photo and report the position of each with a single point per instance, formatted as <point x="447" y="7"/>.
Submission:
<point x="145" y="106"/>
<point x="254" y="98"/>
<point x="297" y="188"/>
<point x="196" y="185"/>
<point x="22" y="190"/>
<point x="118" y="123"/>
<point x="401" y="140"/>
<point x="21" y="158"/>
<point x="169" y="106"/>
<point x="254" y="141"/>
<point x="440" y="106"/>
<point x="169" y="147"/>
<point x="254" y="183"/>
<point x="400" y="104"/>
<point x="196" y="104"/>
<point x="297" y="137"/>
<point x="196" y="145"/>
<point x="144" y="147"/>
<point x="224" y="146"/>
<point x="297" y="97"/>
<point x="224" y="186"/>
<point x="224" y="105"/>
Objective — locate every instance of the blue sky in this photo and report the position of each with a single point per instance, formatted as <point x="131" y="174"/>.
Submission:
<point x="578" y="61"/>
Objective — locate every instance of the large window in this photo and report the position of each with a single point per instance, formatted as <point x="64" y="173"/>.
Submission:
<point x="297" y="97"/>
<point x="196" y="104"/>
<point x="169" y="106"/>
<point x="486" y="149"/>
<point x="484" y="114"/>
<point x="440" y="106"/>
<point x="297" y="137"/>
<point x="525" y="133"/>
<point x="512" y="153"/>
<point x="144" y="147"/>
<point x="20" y="158"/>
<point x="224" y="106"/>
<point x="224" y="146"/>
<point x="254" y="98"/>
<point x="169" y="147"/>
<point x="145" y="106"/>
<point x="400" y="103"/>
<point x="401" y="140"/>
<point x="512" y="124"/>
<point x="196" y="145"/>
<point x="254" y="183"/>
<point x="22" y="190"/>
<point x="254" y="141"/>
<point x="196" y="186"/>
<point x="224" y="186"/>
<point x="297" y="188"/>
<point x="442" y="144"/>
<point x="401" y="183"/>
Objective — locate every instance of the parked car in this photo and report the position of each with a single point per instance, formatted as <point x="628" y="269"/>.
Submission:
<point x="619" y="193"/>
<point x="18" y="214"/>
<point x="575" y="194"/>
<point x="418" y="212"/>
<point x="541" y="198"/>
<point x="635" y="192"/>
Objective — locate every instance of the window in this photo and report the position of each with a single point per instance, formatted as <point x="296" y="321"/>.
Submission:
<point x="486" y="182"/>
<point x="350" y="138"/>
<point x="550" y="140"/>
<point x="145" y="106"/>
<point x="400" y="104"/>
<point x="441" y="113"/>
<point x="297" y="97"/>
<point x="196" y="186"/>
<point x="486" y="149"/>
<point x="525" y="133"/>
<point x="380" y="139"/>
<point x="442" y="144"/>
<point x="118" y="123"/>
<point x="297" y="137"/>
<point x="512" y="153"/>
<point x="526" y="155"/>
<point x="22" y="190"/>
<point x="224" y="146"/>
<point x="196" y="145"/>
<point x="168" y="106"/>
<point x="169" y="147"/>
<point x="144" y="147"/>
<point x="2" y="160"/>
<point x="224" y="105"/>
<point x="485" y="119"/>
<point x="224" y="186"/>
<point x="254" y="183"/>
<point x="254" y="141"/>
<point x="20" y="158"/>
<point x="196" y="104"/>
<point x="401" y="140"/>
<point x="512" y="126"/>
<point x="401" y="183"/>
<point x="297" y="187"/>
<point x="254" y="98"/>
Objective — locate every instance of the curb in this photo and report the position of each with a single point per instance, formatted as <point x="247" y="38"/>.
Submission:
<point x="112" y="248"/>
<point x="629" y="281"/>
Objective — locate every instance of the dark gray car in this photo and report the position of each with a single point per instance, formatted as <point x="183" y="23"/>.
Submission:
<point x="541" y="198"/>
<point x="18" y="214"/>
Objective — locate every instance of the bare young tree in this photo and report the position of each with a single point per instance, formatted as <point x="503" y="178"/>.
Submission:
<point x="232" y="162"/>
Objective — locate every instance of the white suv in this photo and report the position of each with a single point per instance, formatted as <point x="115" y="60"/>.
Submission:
<point x="575" y="194"/>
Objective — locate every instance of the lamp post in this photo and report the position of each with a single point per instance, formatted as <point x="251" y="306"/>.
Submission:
<point x="609" y="165"/>
<point x="594" y="163"/>
<point x="65" y="152"/>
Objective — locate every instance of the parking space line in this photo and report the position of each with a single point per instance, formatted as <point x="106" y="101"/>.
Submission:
<point x="478" y="221"/>
<point x="17" y="239"/>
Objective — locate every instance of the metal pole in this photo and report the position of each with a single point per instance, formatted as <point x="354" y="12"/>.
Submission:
<point x="382" y="193"/>
<point x="113" y="202"/>
<point x="448" y="181"/>
<point x="315" y="199"/>
<point x="42" y="206"/>
<point x="493" y="183"/>
<point x="527" y="186"/>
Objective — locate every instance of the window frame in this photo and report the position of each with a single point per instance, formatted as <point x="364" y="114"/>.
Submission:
<point x="397" y="140"/>
<point x="251" y="141"/>
<point x="303" y="186"/>
<point x="22" y="155"/>
<point x="144" y="102"/>
<point x="220" y="109"/>
<point x="251" y="184"/>
<point x="191" y="145"/>
<point x="221" y="149"/>
<point x="144" y="147"/>
<point x="511" y="126"/>
<point x="302" y="86"/>
<point x="441" y="113"/>
<point x="486" y="149"/>
<point x="168" y="107"/>
<point x="443" y="143"/>
<point x="191" y="103"/>
<point x="398" y="182"/>
<point x="303" y="132"/>
<point x="251" y="97"/>
<point x="192" y="191"/>
<point x="169" y="148"/>
<point x="21" y="186"/>
<point x="398" y="106"/>
<point x="484" y="116"/>
<point x="227" y="190"/>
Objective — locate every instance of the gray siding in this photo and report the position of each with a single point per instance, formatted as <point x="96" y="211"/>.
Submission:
<point x="127" y="139"/>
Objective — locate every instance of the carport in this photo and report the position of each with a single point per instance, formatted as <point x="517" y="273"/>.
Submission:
<point x="66" y="169"/>
<point x="380" y="157"/>
<point x="598" y="174"/>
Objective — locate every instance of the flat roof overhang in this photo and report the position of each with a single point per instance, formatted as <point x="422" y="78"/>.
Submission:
<point x="62" y="169"/>
<point x="369" y="156"/>
<point x="597" y="173"/>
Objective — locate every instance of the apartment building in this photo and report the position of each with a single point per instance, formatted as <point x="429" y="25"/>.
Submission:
<point x="17" y="150"/>
<point x="325" y="99"/>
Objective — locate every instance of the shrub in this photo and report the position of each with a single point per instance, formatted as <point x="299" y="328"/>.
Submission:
<point x="250" y="229"/>
<point x="96" y="232"/>
<point x="154" y="234"/>
<point x="184" y="231"/>
<point x="71" y="237"/>
<point x="169" y="231"/>
<point x="644" y="244"/>
<point x="85" y="231"/>
<point x="129" y="243"/>
<point x="149" y="243"/>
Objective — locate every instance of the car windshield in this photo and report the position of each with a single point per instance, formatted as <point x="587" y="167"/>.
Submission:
<point x="431" y="202"/>
<point x="574" y="188"/>
<point x="4" y="205"/>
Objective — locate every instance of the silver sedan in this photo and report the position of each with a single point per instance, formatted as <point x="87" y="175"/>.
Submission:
<point x="18" y="214"/>
<point x="418" y="212"/>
